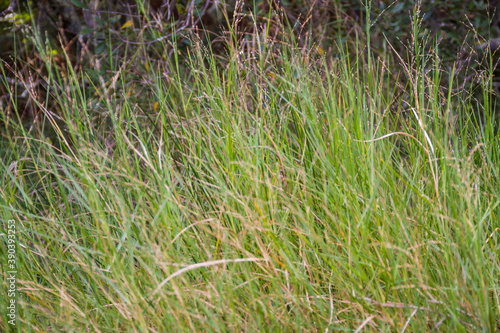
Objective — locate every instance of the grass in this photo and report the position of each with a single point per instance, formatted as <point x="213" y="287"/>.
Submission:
<point x="275" y="191"/>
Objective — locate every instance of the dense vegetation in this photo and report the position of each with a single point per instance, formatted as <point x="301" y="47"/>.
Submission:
<point x="294" y="166"/>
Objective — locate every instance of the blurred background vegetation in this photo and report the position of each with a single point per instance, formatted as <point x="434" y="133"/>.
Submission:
<point x="94" y="37"/>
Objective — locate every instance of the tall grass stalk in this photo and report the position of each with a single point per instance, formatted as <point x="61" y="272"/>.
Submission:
<point x="273" y="193"/>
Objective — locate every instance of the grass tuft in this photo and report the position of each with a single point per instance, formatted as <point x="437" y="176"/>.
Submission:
<point x="273" y="190"/>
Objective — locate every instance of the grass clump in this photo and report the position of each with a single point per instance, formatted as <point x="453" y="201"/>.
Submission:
<point x="274" y="190"/>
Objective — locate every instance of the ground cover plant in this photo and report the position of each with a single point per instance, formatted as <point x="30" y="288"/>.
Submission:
<point x="256" y="181"/>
